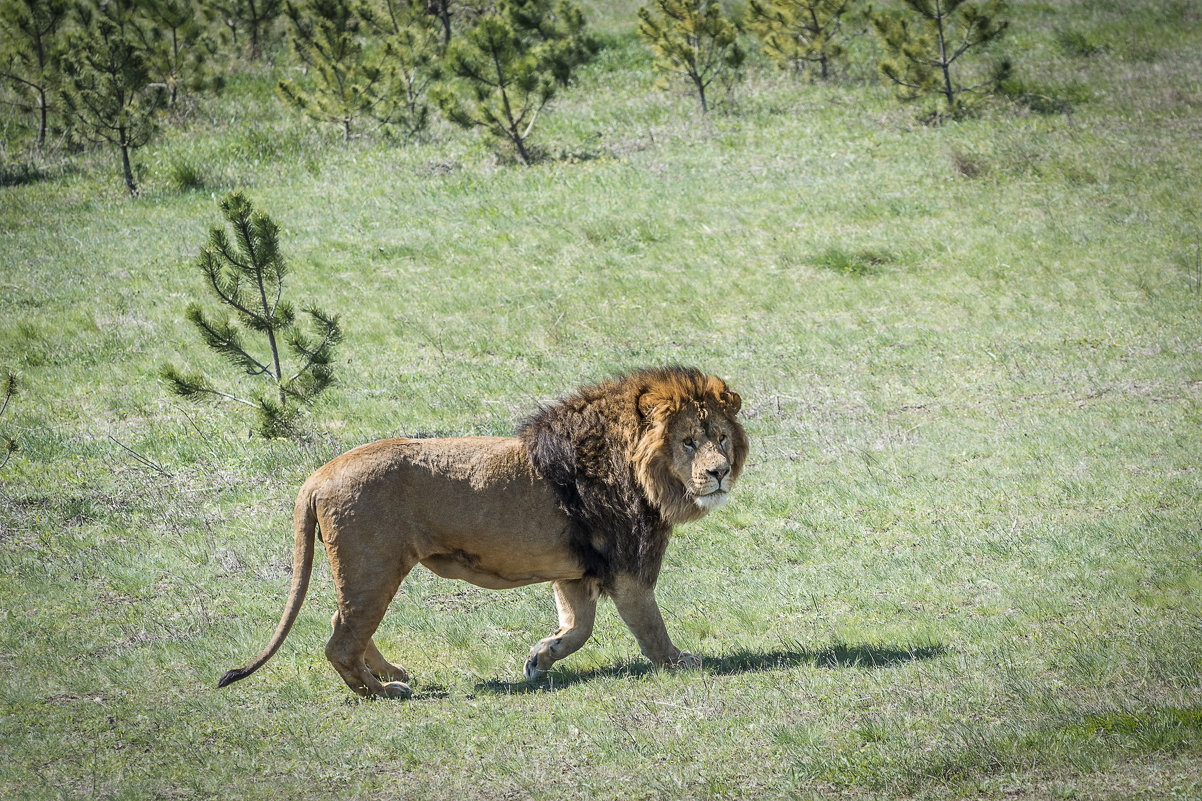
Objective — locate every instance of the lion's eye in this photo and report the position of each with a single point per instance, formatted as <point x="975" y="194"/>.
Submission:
<point x="690" y="445"/>
<point x="722" y="440"/>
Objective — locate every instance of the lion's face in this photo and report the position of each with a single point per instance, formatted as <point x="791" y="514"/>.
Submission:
<point x="692" y="449"/>
<point x="700" y="454"/>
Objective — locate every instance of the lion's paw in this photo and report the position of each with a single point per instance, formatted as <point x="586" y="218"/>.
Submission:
<point x="685" y="661"/>
<point x="533" y="671"/>
<point x="397" y="689"/>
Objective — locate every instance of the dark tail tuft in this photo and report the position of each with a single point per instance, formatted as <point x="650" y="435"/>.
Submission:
<point x="232" y="676"/>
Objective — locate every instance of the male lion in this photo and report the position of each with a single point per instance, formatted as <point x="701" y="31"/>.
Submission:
<point x="585" y="496"/>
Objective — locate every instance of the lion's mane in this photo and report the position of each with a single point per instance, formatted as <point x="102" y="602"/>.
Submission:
<point x="603" y="446"/>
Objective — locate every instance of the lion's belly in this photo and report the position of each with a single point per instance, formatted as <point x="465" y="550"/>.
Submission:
<point x="493" y="574"/>
<point x="498" y="544"/>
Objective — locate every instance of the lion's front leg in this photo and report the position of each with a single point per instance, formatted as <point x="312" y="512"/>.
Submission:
<point x="577" y="605"/>
<point x="636" y="604"/>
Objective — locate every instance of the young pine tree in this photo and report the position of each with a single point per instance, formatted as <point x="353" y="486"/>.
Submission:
<point x="352" y="80"/>
<point x="557" y="28"/>
<point x="925" y="42"/>
<point x="174" y="41"/>
<point x="692" y="38"/>
<point x="255" y="18"/>
<point x="248" y="276"/>
<point x="504" y="77"/>
<point x="344" y="84"/>
<point x="107" y="90"/>
<point x="794" y="33"/>
<point x="413" y="53"/>
<point x="30" y="33"/>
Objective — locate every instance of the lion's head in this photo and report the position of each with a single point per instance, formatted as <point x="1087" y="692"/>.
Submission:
<point x="692" y="449"/>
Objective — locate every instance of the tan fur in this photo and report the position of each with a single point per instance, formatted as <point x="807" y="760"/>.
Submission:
<point x="477" y="509"/>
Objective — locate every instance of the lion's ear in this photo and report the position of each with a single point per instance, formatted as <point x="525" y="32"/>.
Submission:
<point x="731" y="402"/>
<point x="647" y="405"/>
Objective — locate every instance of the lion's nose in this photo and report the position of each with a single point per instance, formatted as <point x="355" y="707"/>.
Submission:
<point x="718" y="473"/>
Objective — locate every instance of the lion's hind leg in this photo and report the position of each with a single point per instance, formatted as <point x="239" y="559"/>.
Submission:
<point x="347" y="651"/>
<point x="362" y="602"/>
<point x="577" y="605"/>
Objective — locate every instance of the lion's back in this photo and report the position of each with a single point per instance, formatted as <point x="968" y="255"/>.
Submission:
<point x="436" y="492"/>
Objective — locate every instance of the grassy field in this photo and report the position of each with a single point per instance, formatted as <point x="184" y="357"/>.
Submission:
<point x="964" y="559"/>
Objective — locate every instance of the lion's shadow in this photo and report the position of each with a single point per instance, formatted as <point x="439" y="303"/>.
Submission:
<point x="834" y="657"/>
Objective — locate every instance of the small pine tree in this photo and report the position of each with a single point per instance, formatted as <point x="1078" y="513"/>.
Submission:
<point x="107" y="89"/>
<point x="255" y="17"/>
<point x="344" y="85"/>
<point x="692" y="38"/>
<point x="8" y="388"/>
<point x="174" y="41"/>
<point x="413" y="53"/>
<point x="29" y="42"/>
<point x="794" y="33"/>
<point x="250" y="280"/>
<point x="351" y="80"/>
<point x="925" y="45"/>
<point x="503" y="82"/>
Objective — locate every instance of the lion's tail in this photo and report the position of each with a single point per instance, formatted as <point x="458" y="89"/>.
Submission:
<point x="305" y="523"/>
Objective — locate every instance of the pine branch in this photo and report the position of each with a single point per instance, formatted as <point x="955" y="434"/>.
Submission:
<point x="275" y="420"/>
<point x="223" y="338"/>
<point x="319" y="355"/>
<point x="195" y="386"/>
<point x="9" y="388"/>
<point x="226" y="284"/>
<point x="18" y="79"/>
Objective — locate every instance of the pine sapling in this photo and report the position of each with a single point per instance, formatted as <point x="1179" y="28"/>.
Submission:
<point x="361" y="73"/>
<point x="413" y="50"/>
<point x="176" y="43"/>
<point x="248" y="276"/>
<point x="794" y="33"/>
<point x="30" y="33"/>
<point x="692" y="38"/>
<point x="343" y="85"/>
<point x="557" y="29"/>
<point x="254" y="17"/>
<point x="502" y="84"/>
<point x="107" y="92"/>
<point x="508" y="65"/>
<point x="926" y="42"/>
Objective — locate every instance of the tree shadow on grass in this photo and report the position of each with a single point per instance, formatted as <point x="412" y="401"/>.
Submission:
<point x="837" y="656"/>
<point x="20" y="174"/>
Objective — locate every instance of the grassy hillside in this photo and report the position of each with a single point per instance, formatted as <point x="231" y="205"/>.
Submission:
<point x="964" y="557"/>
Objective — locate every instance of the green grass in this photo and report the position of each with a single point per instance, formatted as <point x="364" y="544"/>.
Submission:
<point x="964" y="557"/>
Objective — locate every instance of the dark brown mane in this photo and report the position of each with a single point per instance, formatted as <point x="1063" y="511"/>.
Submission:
<point x="585" y="446"/>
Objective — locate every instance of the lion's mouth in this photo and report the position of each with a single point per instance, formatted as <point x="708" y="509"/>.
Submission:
<point x="711" y="500"/>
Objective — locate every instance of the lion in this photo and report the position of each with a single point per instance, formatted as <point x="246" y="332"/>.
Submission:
<point x="585" y="496"/>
